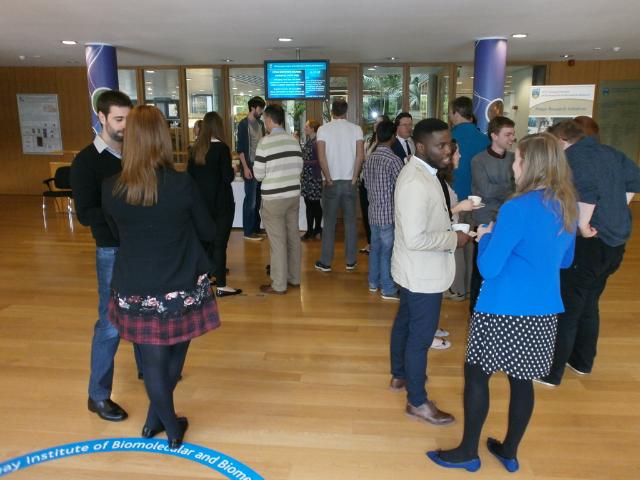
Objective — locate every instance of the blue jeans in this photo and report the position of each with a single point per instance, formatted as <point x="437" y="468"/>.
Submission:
<point x="411" y="336"/>
<point x="342" y="194"/>
<point x="105" y="336"/>
<point x="251" y="207"/>
<point x="380" y="258"/>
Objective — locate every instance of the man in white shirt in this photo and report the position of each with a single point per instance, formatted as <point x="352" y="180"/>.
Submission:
<point x="403" y="147"/>
<point x="422" y="265"/>
<point x="340" y="152"/>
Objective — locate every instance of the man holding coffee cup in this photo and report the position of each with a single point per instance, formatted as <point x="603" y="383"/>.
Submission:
<point x="422" y="265"/>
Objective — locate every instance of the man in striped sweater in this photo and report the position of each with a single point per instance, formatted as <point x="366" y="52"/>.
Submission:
<point x="278" y="165"/>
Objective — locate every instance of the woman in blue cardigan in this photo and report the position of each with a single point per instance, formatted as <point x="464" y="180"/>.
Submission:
<point x="513" y="327"/>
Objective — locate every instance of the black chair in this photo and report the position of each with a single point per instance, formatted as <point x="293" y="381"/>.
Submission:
<point x="62" y="182"/>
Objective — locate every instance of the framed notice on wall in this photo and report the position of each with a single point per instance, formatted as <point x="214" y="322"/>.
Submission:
<point x="619" y="116"/>
<point x="550" y="104"/>
<point x="40" y="124"/>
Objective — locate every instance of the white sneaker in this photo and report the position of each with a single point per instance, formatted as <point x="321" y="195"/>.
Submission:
<point x="542" y="382"/>
<point x="453" y="296"/>
<point x="441" y="333"/>
<point x="576" y="370"/>
<point x="440" y="343"/>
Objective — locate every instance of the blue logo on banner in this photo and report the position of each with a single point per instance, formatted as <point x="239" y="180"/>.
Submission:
<point x="227" y="466"/>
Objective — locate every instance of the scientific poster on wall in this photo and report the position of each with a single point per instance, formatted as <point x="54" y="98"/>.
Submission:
<point x="550" y="104"/>
<point x="40" y="124"/>
<point x="619" y="116"/>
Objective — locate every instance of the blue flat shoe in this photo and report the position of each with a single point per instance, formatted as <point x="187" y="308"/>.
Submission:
<point x="511" y="464"/>
<point x="469" y="466"/>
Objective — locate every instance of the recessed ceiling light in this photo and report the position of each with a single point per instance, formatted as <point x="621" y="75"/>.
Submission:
<point x="519" y="35"/>
<point x="471" y="78"/>
<point x="69" y="42"/>
<point x="617" y="49"/>
<point x="150" y="71"/>
<point x="148" y="82"/>
<point x="392" y="58"/>
<point x="188" y="79"/>
<point x="201" y="90"/>
<point x="566" y="55"/>
<point x="149" y="88"/>
<point x="371" y="69"/>
<point x="235" y="88"/>
<point x="285" y="39"/>
<point x="227" y="60"/>
<point x="22" y="57"/>
<point x="459" y="83"/>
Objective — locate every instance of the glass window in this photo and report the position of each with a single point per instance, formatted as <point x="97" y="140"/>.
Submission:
<point x="381" y="93"/>
<point x="204" y="87"/>
<point x="295" y="117"/>
<point x="162" y="89"/>
<point x="127" y="83"/>
<point x="338" y="88"/>
<point x="428" y="93"/>
<point x="244" y="83"/>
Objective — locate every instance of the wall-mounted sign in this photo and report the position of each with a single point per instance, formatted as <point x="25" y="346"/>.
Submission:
<point x="39" y="124"/>
<point x="619" y="116"/>
<point x="550" y="104"/>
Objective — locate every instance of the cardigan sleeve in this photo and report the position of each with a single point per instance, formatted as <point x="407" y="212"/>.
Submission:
<point x="496" y="247"/>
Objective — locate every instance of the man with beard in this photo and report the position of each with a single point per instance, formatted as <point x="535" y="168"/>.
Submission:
<point x="98" y="161"/>
<point x="422" y="264"/>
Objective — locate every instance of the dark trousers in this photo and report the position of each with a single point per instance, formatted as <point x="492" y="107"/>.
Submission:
<point x="314" y="216"/>
<point x="217" y="250"/>
<point x="411" y="336"/>
<point x="364" y="206"/>
<point x="251" y="207"/>
<point x="581" y="286"/>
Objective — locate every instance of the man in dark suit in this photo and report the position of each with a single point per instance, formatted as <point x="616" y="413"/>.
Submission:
<point x="403" y="147"/>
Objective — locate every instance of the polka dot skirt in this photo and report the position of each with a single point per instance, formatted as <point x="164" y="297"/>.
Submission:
<point x="520" y="346"/>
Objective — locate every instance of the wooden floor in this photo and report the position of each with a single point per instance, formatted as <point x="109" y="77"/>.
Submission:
<point x="295" y="386"/>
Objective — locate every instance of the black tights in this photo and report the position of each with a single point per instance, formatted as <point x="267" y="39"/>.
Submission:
<point x="476" y="407"/>
<point x="314" y="216"/>
<point x="161" y="366"/>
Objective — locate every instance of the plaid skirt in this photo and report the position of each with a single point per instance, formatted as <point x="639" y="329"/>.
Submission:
<point x="165" y="319"/>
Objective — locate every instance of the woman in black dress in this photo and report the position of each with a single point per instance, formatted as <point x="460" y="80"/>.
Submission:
<point x="160" y="294"/>
<point x="210" y="167"/>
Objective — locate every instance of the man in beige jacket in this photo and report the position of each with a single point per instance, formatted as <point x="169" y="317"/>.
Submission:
<point x="422" y="264"/>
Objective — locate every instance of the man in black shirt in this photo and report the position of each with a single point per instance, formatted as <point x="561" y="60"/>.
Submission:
<point x="99" y="160"/>
<point x="606" y="180"/>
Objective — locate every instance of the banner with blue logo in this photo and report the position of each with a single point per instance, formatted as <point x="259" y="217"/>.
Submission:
<point x="490" y="62"/>
<point x="102" y="74"/>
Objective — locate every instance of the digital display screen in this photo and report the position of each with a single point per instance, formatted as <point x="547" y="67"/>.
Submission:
<point x="296" y="80"/>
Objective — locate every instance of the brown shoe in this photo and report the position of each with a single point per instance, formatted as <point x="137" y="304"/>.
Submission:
<point x="428" y="412"/>
<point x="270" y="291"/>
<point x="397" y="384"/>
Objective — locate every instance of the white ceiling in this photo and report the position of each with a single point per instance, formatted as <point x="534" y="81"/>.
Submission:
<point x="197" y="32"/>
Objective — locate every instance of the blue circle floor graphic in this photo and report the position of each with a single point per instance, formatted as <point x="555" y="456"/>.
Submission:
<point x="227" y="466"/>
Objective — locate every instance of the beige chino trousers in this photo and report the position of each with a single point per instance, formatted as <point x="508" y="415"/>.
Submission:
<point x="280" y="217"/>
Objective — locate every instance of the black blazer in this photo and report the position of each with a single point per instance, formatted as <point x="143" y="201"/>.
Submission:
<point x="214" y="179"/>
<point x="160" y="249"/>
<point x="399" y="150"/>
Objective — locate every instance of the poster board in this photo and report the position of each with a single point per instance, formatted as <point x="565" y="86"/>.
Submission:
<point x="550" y="104"/>
<point x="619" y="116"/>
<point x="39" y="124"/>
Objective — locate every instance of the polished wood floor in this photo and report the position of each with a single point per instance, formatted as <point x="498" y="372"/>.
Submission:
<point x="295" y="386"/>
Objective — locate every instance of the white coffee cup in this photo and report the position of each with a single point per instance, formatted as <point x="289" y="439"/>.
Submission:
<point x="475" y="200"/>
<point x="461" y="227"/>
